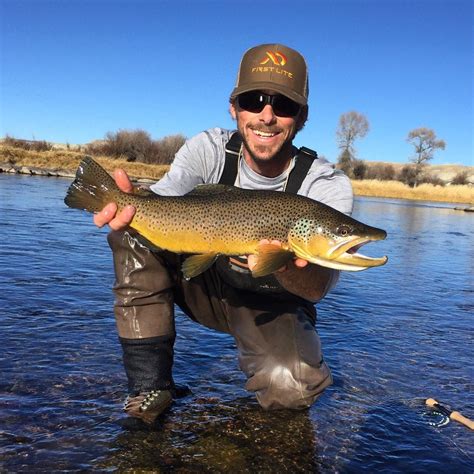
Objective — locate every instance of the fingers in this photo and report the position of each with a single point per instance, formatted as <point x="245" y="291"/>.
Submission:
<point x="109" y="215"/>
<point x="251" y="261"/>
<point x="123" y="181"/>
<point x="106" y="215"/>
<point x="273" y="242"/>
<point x="300" y="263"/>
<point x="123" y="219"/>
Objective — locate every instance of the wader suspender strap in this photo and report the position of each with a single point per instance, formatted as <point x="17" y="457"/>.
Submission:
<point x="232" y="152"/>
<point x="304" y="160"/>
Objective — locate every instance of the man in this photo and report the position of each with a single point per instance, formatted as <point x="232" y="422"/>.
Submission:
<point x="272" y="319"/>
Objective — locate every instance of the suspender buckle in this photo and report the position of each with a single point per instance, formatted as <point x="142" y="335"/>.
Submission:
<point x="309" y="152"/>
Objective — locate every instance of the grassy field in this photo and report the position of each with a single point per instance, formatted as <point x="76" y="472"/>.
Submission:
<point x="424" y="192"/>
<point x="69" y="160"/>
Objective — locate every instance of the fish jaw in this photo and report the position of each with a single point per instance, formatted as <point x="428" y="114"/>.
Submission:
<point x="348" y="258"/>
<point x="338" y="254"/>
<point x="349" y="266"/>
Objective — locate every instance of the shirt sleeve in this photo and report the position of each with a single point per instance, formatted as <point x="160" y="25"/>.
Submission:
<point x="334" y="190"/>
<point x="328" y="185"/>
<point x="195" y="163"/>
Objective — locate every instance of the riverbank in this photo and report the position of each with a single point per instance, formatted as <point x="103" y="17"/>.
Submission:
<point x="63" y="163"/>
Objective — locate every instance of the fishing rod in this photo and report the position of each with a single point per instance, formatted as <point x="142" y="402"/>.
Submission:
<point x="451" y="415"/>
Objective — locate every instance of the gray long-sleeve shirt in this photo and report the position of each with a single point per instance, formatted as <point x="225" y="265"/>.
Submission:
<point x="201" y="161"/>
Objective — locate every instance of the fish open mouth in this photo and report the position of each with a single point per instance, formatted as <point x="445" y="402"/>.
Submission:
<point x="345" y="255"/>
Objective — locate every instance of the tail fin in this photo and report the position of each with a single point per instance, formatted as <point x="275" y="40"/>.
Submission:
<point x="92" y="189"/>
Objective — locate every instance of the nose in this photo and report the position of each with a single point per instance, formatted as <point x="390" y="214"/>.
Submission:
<point x="267" y="115"/>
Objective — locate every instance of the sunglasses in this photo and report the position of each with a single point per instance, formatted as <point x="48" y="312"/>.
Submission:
<point x="255" y="101"/>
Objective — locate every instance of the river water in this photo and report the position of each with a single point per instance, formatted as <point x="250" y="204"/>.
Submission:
<point x="392" y="336"/>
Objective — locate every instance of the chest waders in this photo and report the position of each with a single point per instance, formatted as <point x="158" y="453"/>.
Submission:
<point x="149" y="284"/>
<point x="234" y="271"/>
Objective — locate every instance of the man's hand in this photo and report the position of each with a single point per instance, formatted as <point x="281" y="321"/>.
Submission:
<point x="108" y="215"/>
<point x="297" y="262"/>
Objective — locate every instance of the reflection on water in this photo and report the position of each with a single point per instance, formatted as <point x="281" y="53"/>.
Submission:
<point x="392" y="336"/>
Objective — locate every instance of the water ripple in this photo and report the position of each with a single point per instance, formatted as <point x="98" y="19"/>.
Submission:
<point x="392" y="336"/>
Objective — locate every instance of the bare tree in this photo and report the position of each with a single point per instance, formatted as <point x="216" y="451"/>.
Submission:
<point x="426" y="143"/>
<point x="352" y="125"/>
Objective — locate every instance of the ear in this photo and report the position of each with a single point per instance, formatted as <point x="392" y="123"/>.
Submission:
<point x="302" y="117"/>
<point x="232" y="111"/>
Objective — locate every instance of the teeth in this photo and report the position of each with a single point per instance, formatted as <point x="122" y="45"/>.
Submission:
<point x="260" y="133"/>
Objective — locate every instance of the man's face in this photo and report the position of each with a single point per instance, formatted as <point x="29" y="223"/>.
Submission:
<point x="265" y="134"/>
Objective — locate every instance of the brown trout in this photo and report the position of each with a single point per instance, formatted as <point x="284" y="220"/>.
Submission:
<point x="217" y="219"/>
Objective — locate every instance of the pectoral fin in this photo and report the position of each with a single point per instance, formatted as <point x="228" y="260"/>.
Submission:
<point x="270" y="259"/>
<point x="197" y="264"/>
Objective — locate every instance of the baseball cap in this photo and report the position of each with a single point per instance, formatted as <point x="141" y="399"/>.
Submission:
<point x="275" y="67"/>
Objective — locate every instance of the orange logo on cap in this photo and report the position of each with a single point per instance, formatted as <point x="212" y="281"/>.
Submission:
<point x="277" y="58"/>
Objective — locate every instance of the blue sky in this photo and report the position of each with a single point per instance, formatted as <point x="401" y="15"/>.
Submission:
<point x="73" y="70"/>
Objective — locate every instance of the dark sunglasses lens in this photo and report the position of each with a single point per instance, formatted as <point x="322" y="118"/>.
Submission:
<point x="284" y="107"/>
<point x="251" y="101"/>
<point x="255" y="102"/>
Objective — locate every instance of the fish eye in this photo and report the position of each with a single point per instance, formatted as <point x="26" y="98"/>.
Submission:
<point x="343" y="230"/>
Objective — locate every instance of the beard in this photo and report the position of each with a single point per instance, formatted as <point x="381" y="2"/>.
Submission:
<point x="261" y="153"/>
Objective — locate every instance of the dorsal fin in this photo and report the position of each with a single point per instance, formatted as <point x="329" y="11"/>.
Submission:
<point x="208" y="189"/>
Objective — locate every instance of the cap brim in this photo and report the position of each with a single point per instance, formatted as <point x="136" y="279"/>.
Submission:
<point x="264" y="85"/>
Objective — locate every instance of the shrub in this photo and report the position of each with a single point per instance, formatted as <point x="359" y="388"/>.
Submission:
<point x="381" y="171"/>
<point x="412" y="175"/>
<point x="408" y="175"/>
<point x="359" y="169"/>
<point x="344" y="162"/>
<point x="137" y="145"/>
<point x="354" y="169"/>
<point x="167" y="147"/>
<point x="97" y="147"/>
<point x="34" y="145"/>
<point x="134" y="145"/>
<point x="461" y="178"/>
<point x="432" y="179"/>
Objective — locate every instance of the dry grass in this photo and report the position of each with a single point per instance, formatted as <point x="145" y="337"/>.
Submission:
<point x="424" y="192"/>
<point x="69" y="160"/>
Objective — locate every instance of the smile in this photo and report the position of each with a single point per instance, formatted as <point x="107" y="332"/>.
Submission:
<point x="262" y="134"/>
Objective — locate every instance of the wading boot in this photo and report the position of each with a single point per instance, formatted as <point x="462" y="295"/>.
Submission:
<point x="148" y="364"/>
<point x="148" y="406"/>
